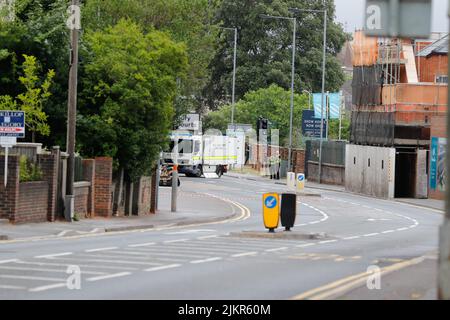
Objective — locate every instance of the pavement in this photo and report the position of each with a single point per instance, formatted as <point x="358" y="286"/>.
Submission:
<point x="190" y="210"/>
<point x="336" y="238"/>
<point x="313" y="186"/>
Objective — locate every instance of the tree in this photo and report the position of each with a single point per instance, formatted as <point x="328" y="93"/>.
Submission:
<point x="127" y="94"/>
<point x="265" y="48"/>
<point x="272" y="103"/>
<point x="32" y="100"/>
<point x="189" y="22"/>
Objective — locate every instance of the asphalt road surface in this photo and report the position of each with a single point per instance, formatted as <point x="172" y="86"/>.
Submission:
<point x="339" y="237"/>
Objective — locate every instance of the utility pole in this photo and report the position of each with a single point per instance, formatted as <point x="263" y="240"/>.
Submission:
<point x="74" y="25"/>
<point x="291" y="120"/>
<point x="444" y="239"/>
<point x="175" y="178"/>
<point x="323" y="92"/>
<point x="233" y="98"/>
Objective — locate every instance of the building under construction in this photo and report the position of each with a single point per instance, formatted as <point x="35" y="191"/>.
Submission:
<point x="399" y="105"/>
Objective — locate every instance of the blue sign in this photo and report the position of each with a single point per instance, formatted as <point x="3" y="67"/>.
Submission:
<point x="311" y="125"/>
<point x="271" y="202"/>
<point x="437" y="163"/>
<point x="12" y="124"/>
<point x="332" y="110"/>
<point x="335" y="100"/>
<point x="317" y="102"/>
<point x="301" y="178"/>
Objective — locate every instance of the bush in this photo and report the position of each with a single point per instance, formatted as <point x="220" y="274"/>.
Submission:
<point x="29" y="171"/>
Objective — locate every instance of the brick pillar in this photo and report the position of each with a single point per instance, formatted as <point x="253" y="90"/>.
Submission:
<point x="48" y="163"/>
<point x="89" y="175"/>
<point x="102" y="187"/>
<point x="9" y="196"/>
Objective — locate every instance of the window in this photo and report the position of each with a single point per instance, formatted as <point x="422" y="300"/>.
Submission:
<point x="442" y="79"/>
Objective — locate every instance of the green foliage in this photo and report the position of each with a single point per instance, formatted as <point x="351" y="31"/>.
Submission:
<point x="128" y="89"/>
<point x="186" y="21"/>
<point x="29" y="171"/>
<point x="272" y="103"/>
<point x="333" y="132"/>
<point x="34" y="97"/>
<point x="265" y="48"/>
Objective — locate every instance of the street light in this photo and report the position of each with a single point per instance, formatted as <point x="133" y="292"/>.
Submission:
<point x="233" y="95"/>
<point x="294" y="20"/>
<point x="325" y="13"/>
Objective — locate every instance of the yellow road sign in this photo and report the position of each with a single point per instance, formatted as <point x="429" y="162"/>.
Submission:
<point x="271" y="210"/>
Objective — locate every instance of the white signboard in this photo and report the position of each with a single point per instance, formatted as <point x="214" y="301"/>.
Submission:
<point x="190" y="122"/>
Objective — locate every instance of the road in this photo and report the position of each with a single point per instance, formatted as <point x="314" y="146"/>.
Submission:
<point x="219" y="261"/>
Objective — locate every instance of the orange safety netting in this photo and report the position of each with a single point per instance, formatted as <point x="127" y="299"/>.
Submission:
<point x="365" y="50"/>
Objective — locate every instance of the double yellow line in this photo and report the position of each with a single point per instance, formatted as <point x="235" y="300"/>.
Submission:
<point x="340" y="287"/>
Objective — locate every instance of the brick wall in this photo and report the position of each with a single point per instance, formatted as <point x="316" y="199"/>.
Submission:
<point x="48" y="164"/>
<point x="438" y="129"/>
<point x="102" y="187"/>
<point x="9" y="196"/>
<point x="33" y="202"/>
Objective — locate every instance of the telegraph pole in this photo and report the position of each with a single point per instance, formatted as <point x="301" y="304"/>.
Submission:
<point x="74" y="25"/>
<point x="323" y="91"/>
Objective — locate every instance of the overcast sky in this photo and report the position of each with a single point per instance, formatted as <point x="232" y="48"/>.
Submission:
<point x="351" y="12"/>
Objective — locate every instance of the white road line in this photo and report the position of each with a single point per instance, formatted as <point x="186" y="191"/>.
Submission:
<point x="54" y="255"/>
<point x="175" y="241"/>
<point x="206" y="260"/>
<point x="80" y="265"/>
<point x="244" y="254"/>
<point x="388" y="231"/>
<point x="207" y="237"/>
<point x="170" y="266"/>
<point x="306" y="245"/>
<point x="402" y="229"/>
<point x="352" y="238"/>
<point x="371" y="234"/>
<point x="327" y="241"/>
<point x="114" y="261"/>
<point x="48" y="287"/>
<point x="276" y="249"/>
<point x="101" y="249"/>
<point x="8" y="261"/>
<point x="12" y="276"/>
<point x="7" y="287"/>
<point x="46" y="270"/>
<point x="137" y="245"/>
<point x="150" y="254"/>
<point x="109" y="276"/>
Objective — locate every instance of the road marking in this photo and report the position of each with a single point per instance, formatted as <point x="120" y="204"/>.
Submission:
<point x="7" y="287"/>
<point x="206" y="260"/>
<point x="115" y="261"/>
<point x="388" y="231"/>
<point x="244" y="254"/>
<point x="341" y="286"/>
<point x="80" y="265"/>
<point x="190" y="231"/>
<point x="144" y="255"/>
<point x="207" y="237"/>
<point x="371" y="234"/>
<point x="305" y="245"/>
<point x="175" y="241"/>
<point x="48" y="287"/>
<point x="8" y="261"/>
<point x="352" y="238"/>
<point x="137" y="245"/>
<point x="45" y="270"/>
<point x="170" y="266"/>
<point x="327" y="241"/>
<point x="276" y="249"/>
<point x="54" y="255"/>
<point x="101" y="249"/>
<point x="109" y="276"/>
<point x="402" y="229"/>
<point x="11" y="276"/>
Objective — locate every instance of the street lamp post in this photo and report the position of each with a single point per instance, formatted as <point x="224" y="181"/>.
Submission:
<point x="291" y="120"/>
<point x="309" y="98"/>
<point x="325" y="14"/>
<point x="233" y="94"/>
